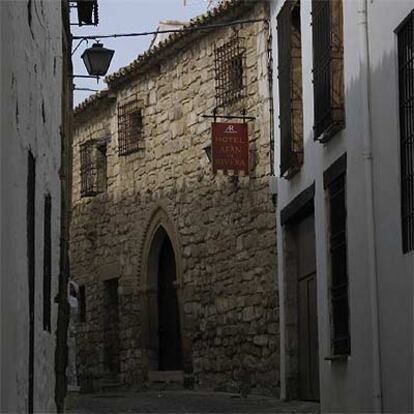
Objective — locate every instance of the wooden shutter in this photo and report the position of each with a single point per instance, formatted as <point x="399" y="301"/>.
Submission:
<point x="290" y="88"/>
<point x="321" y="32"/>
<point x="284" y="50"/>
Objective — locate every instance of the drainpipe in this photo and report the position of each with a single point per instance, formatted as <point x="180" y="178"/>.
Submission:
<point x="364" y="61"/>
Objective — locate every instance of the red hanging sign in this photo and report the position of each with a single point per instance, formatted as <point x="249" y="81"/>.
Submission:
<point x="230" y="147"/>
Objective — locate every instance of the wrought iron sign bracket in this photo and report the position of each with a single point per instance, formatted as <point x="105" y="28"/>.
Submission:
<point x="243" y="117"/>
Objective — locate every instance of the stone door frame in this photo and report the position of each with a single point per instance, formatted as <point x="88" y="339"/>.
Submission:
<point x="158" y="223"/>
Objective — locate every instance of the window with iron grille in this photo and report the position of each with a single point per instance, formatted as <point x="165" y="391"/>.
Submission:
<point x="130" y="128"/>
<point x="229" y="71"/>
<point x="341" y="344"/>
<point x="406" y="97"/>
<point x="93" y="168"/>
<point x="328" y="70"/>
<point x="290" y="88"/>
<point x="47" y="263"/>
<point x="88" y="179"/>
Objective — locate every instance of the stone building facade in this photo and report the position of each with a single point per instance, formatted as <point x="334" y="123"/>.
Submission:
<point x="176" y="265"/>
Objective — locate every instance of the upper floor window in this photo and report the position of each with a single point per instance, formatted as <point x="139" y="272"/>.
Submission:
<point x="93" y="168"/>
<point x="328" y="68"/>
<point x="229" y="71"/>
<point x="130" y="127"/>
<point x="290" y="88"/>
<point x="405" y="34"/>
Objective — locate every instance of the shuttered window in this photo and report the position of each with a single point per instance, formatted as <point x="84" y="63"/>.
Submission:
<point x="328" y="71"/>
<point x="290" y="88"/>
<point x="47" y="263"/>
<point x="406" y="99"/>
<point x="334" y="181"/>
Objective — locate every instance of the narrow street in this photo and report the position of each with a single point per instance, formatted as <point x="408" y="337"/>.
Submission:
<point x="186" y="402"/>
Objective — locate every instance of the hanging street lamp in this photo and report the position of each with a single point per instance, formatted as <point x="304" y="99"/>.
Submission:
<point x="97" y="59"/>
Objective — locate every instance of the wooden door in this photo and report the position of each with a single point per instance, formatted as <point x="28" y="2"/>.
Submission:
<point x="170" y="355"/>
<point x="307" y="311"/>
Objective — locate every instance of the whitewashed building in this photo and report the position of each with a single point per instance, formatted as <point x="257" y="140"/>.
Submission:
<point x="344" y="146"/>
<point x="34" y="95"/>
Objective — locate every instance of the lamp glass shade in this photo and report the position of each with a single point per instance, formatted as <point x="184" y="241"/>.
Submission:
<point x="207" y="149"/>
<point x="97" y="59"/>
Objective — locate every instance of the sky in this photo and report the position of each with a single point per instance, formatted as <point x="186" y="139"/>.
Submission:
<point x="126" y="16"/>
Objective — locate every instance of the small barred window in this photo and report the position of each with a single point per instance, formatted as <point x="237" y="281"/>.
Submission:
<point x="93" y="168"/>
<point x="229" y="72"/>
<point x="87" y="173"/>
<point x="130" y="128"/>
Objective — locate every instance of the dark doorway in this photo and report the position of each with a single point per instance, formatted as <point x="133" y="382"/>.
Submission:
<point x="304" y="234"/>
<point x="170" y="354"/>
<point x="111" y="329"/>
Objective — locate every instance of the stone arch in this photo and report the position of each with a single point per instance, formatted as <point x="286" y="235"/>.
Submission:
<point x="159" y="227"/>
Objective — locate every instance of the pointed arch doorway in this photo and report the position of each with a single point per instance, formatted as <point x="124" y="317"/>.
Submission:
<point x="164" y="347"/>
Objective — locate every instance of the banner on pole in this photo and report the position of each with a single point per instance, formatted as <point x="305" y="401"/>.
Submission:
<point x="230" y="148"/>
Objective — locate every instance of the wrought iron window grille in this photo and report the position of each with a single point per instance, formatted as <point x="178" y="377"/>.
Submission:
<point x="229" y="64"/>
<point x="328" y="71"/>
<point x="341" y="343"/>
<point x="290" y="88"/>
<point x="130" y="127"/>
<point x="87" y="12"/>
<point x="405" y="33"/>
<point x="93" y="167"/>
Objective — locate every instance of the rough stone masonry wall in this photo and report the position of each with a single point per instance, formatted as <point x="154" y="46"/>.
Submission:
<point x="223" y="231"/>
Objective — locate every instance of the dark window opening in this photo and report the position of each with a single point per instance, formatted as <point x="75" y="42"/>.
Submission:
<point x="328" y="70"/>
<point x="341" y="344"/>
<point x="82" y="304"/>
<point x="47" y="263"/>
<point x="93" y="168"/>
<point x="130" y="128"/>
<point x="30" y="222"/>
<point x="290" y="88"/>
<point x="406" y="102"/>
<point x="229" y="72"/>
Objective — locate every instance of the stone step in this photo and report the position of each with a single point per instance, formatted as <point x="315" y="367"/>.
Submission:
<point x="166" y="380"/>
<point x="166" y="376"/>
<point x="111" y="386"/>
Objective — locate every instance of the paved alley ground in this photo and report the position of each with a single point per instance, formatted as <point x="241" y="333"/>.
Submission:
<point x="186" y="402"/>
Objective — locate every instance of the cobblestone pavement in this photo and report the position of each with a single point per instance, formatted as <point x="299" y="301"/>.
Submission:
<point x="186" y="402"/>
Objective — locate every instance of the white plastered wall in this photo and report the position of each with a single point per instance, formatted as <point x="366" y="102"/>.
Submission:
<point x="348" y="386"/>
<point x="31" y="75"/>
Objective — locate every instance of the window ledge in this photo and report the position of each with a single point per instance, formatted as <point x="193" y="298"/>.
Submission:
<point x="338" y="357"/>
<point x="330" y="131"/>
